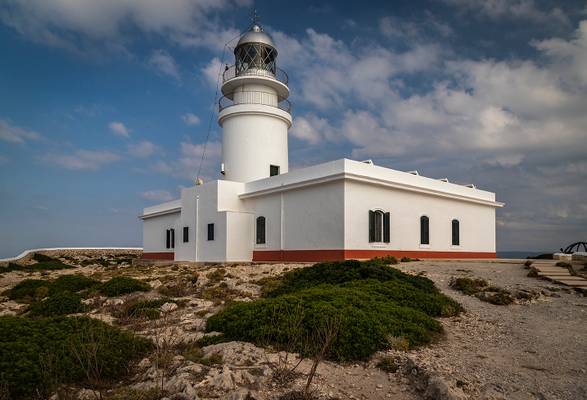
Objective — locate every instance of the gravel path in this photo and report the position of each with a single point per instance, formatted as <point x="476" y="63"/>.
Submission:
<point x="521" y="351"/>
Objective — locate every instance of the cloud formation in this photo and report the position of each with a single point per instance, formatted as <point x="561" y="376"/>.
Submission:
<point x="164" y="63"/>
<point x="88" y="26"/>
<point x="119" y="129"/>
<point x="89" y="160"/>
<point x="157" y="195"/>
<point x="14" y="134"/>
<point x="142" y="149"/>
<point x="190" y="119"/>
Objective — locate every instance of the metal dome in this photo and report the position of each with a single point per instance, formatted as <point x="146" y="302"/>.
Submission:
<point x="256" y="35"/>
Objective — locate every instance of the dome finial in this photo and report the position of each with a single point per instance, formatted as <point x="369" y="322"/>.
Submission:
<point x="256" y="26"/>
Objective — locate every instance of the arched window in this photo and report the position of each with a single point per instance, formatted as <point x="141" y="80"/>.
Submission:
<point x="456" y="235"/>
<point x="424" y="230"/>
<point x="379" y="226"/>
<point x="260" y="230"/>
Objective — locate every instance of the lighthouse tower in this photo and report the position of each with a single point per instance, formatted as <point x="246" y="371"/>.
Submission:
<point x="254" y="112"/>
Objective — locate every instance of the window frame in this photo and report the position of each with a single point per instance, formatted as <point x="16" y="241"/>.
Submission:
<point x="210" y="231"/>
<point x="424" y="243"/>
<point x="186" y="234"/>
<point x="258" y="238"/>
<point x="379" y="226"/>
<point x="271" y="166"/>
<point x="458" y="232"/>
<point x="168" y="238"/>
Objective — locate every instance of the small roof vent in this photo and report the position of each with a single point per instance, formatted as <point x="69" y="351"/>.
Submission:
<point x="444" y="180"/>
<point x="370" y="162"/>
<point x="414" y="172"/>
<point x="471" y="185"/>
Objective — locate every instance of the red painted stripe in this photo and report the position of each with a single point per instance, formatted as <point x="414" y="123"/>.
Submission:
<point x="336" y="255"/>
<point x="158" y="256"/>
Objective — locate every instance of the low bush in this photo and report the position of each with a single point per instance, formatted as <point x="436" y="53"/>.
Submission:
<point x="217" y="275"/>
<point x="61" y="303"/>
<point x="38" y="257"/>
<point x="37" y="355"/>
<point x="385" y="260"/>
<point x="143" y="309"/>
<point x="387" y="364"/>
<point x="370" y="301"/>
<point x="468" y="286"/>
<point x="408" y="259"/>
<point x="500" y="297"/>
<point x="122" y="285"/>
<point x="26" y="290"/>
<point x="345" y="271"/>
<point x="37" y="267"/>
<point x="71" y="283"/>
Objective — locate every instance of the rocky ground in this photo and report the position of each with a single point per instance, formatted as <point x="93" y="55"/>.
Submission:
<point x="527" y="350"/>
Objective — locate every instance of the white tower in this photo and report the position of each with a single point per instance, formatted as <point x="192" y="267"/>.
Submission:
<point x="254" y="112"/>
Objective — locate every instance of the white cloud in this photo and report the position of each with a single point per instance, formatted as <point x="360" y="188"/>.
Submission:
<point x="190" y="119"/>
<point x="14" y="134"/>
<point x="164" y="63"/>
<point x="212" y="70"/>
<point x="82" y="159"/>
<point x="162" y="167"/>
<point x="119" y="129"/>
<point x="83" y="26"/>
<point x="512" y="9"/>
<point x="157" y="195"/>
<point x="142" y="149"/>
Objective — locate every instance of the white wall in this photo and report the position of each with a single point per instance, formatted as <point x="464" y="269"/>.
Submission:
<point x="154" y="232"/>
<point x="312" y="218"/>
<point x="239" y="236"/>
<point x="477" y="222"/>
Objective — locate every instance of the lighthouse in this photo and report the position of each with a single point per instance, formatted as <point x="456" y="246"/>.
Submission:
<point x="340" y="209"/>
<point x="254" y="112"/>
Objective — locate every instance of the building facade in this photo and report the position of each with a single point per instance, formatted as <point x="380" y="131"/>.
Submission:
<point x="338" y="210"/>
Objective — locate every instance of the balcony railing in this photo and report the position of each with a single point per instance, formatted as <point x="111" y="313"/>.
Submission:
<point x="254" y="97"/>
<point x="279" y="75"/>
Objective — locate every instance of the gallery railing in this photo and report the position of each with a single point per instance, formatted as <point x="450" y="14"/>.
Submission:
<point x="254" y="97"/>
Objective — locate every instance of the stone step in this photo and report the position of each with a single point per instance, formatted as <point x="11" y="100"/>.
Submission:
<point x="582" y="284"/>
<point x="567" y="278"/>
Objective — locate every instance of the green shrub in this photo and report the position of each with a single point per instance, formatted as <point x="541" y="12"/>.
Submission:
<point x="468" y="286"/>
<point x="408" y="259"/>
<point x="387" y="364"/>
<point x="122" y="285"/>
<point x="37" y="355"/>
<point x="61" y="303"/>
<point x="345" y="271"/>
<point x="385" y="260"/>
<point x="26" y="290"/>
<point x="370" y="301"/>
<point x="38" y="257"/>
<point x="71" y="283"/>
<point x="38" y="267"/>
<point x="144" y="309"/>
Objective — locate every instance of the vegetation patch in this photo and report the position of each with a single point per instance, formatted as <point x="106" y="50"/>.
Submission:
<point x="27" y="290"/>
<point x="490" y="294"/>
<point x="37" y="267"/>
<point x="120" y="285"/>
<point x="72" y="283"/>
<point x="387" y="364"/>
<point x="149" y="309"/>
<point x="408" y="259"/>
<point x="37" y="355"/>
<point x="61" y="303"/>
<point x="368" y="301"/>
<point x="468" y="286"/>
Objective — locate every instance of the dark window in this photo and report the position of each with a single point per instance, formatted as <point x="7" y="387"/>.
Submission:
<point x="260" y="230"/>
<point x="424" y="230"/>
<point x="210" y="231"/>
<point x="273" y="170"/>
<point x="386" y="227"/>
<point x="379" y="224"/>
<point x="456" y="239"/>
<point x="168" y="239"/>
<point x="186" y="234"/>
<point x="172" y="238"/>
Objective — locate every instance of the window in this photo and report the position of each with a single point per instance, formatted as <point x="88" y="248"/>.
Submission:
<point x="273" y="170"/>
<point x="379" y="226"/>
<point x="210" y="231"/>
<point x="424" y="230"/>
<point x="260" y="230"/>
<point x="186" y="234"/>
<point x="456" y="240"/>
<point x="172" y="238"/>
<point x="168" y="239"/>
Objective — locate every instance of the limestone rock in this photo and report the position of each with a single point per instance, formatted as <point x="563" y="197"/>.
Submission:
<point x="168" y="307"/>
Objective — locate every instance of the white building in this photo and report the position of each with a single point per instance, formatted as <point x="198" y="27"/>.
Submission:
<point x="341" y="209"/>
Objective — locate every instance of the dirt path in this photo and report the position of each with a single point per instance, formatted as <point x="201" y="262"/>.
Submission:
<point x="520" y="351"/>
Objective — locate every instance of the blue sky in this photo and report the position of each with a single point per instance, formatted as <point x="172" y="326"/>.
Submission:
<point x="105" y="106"/>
